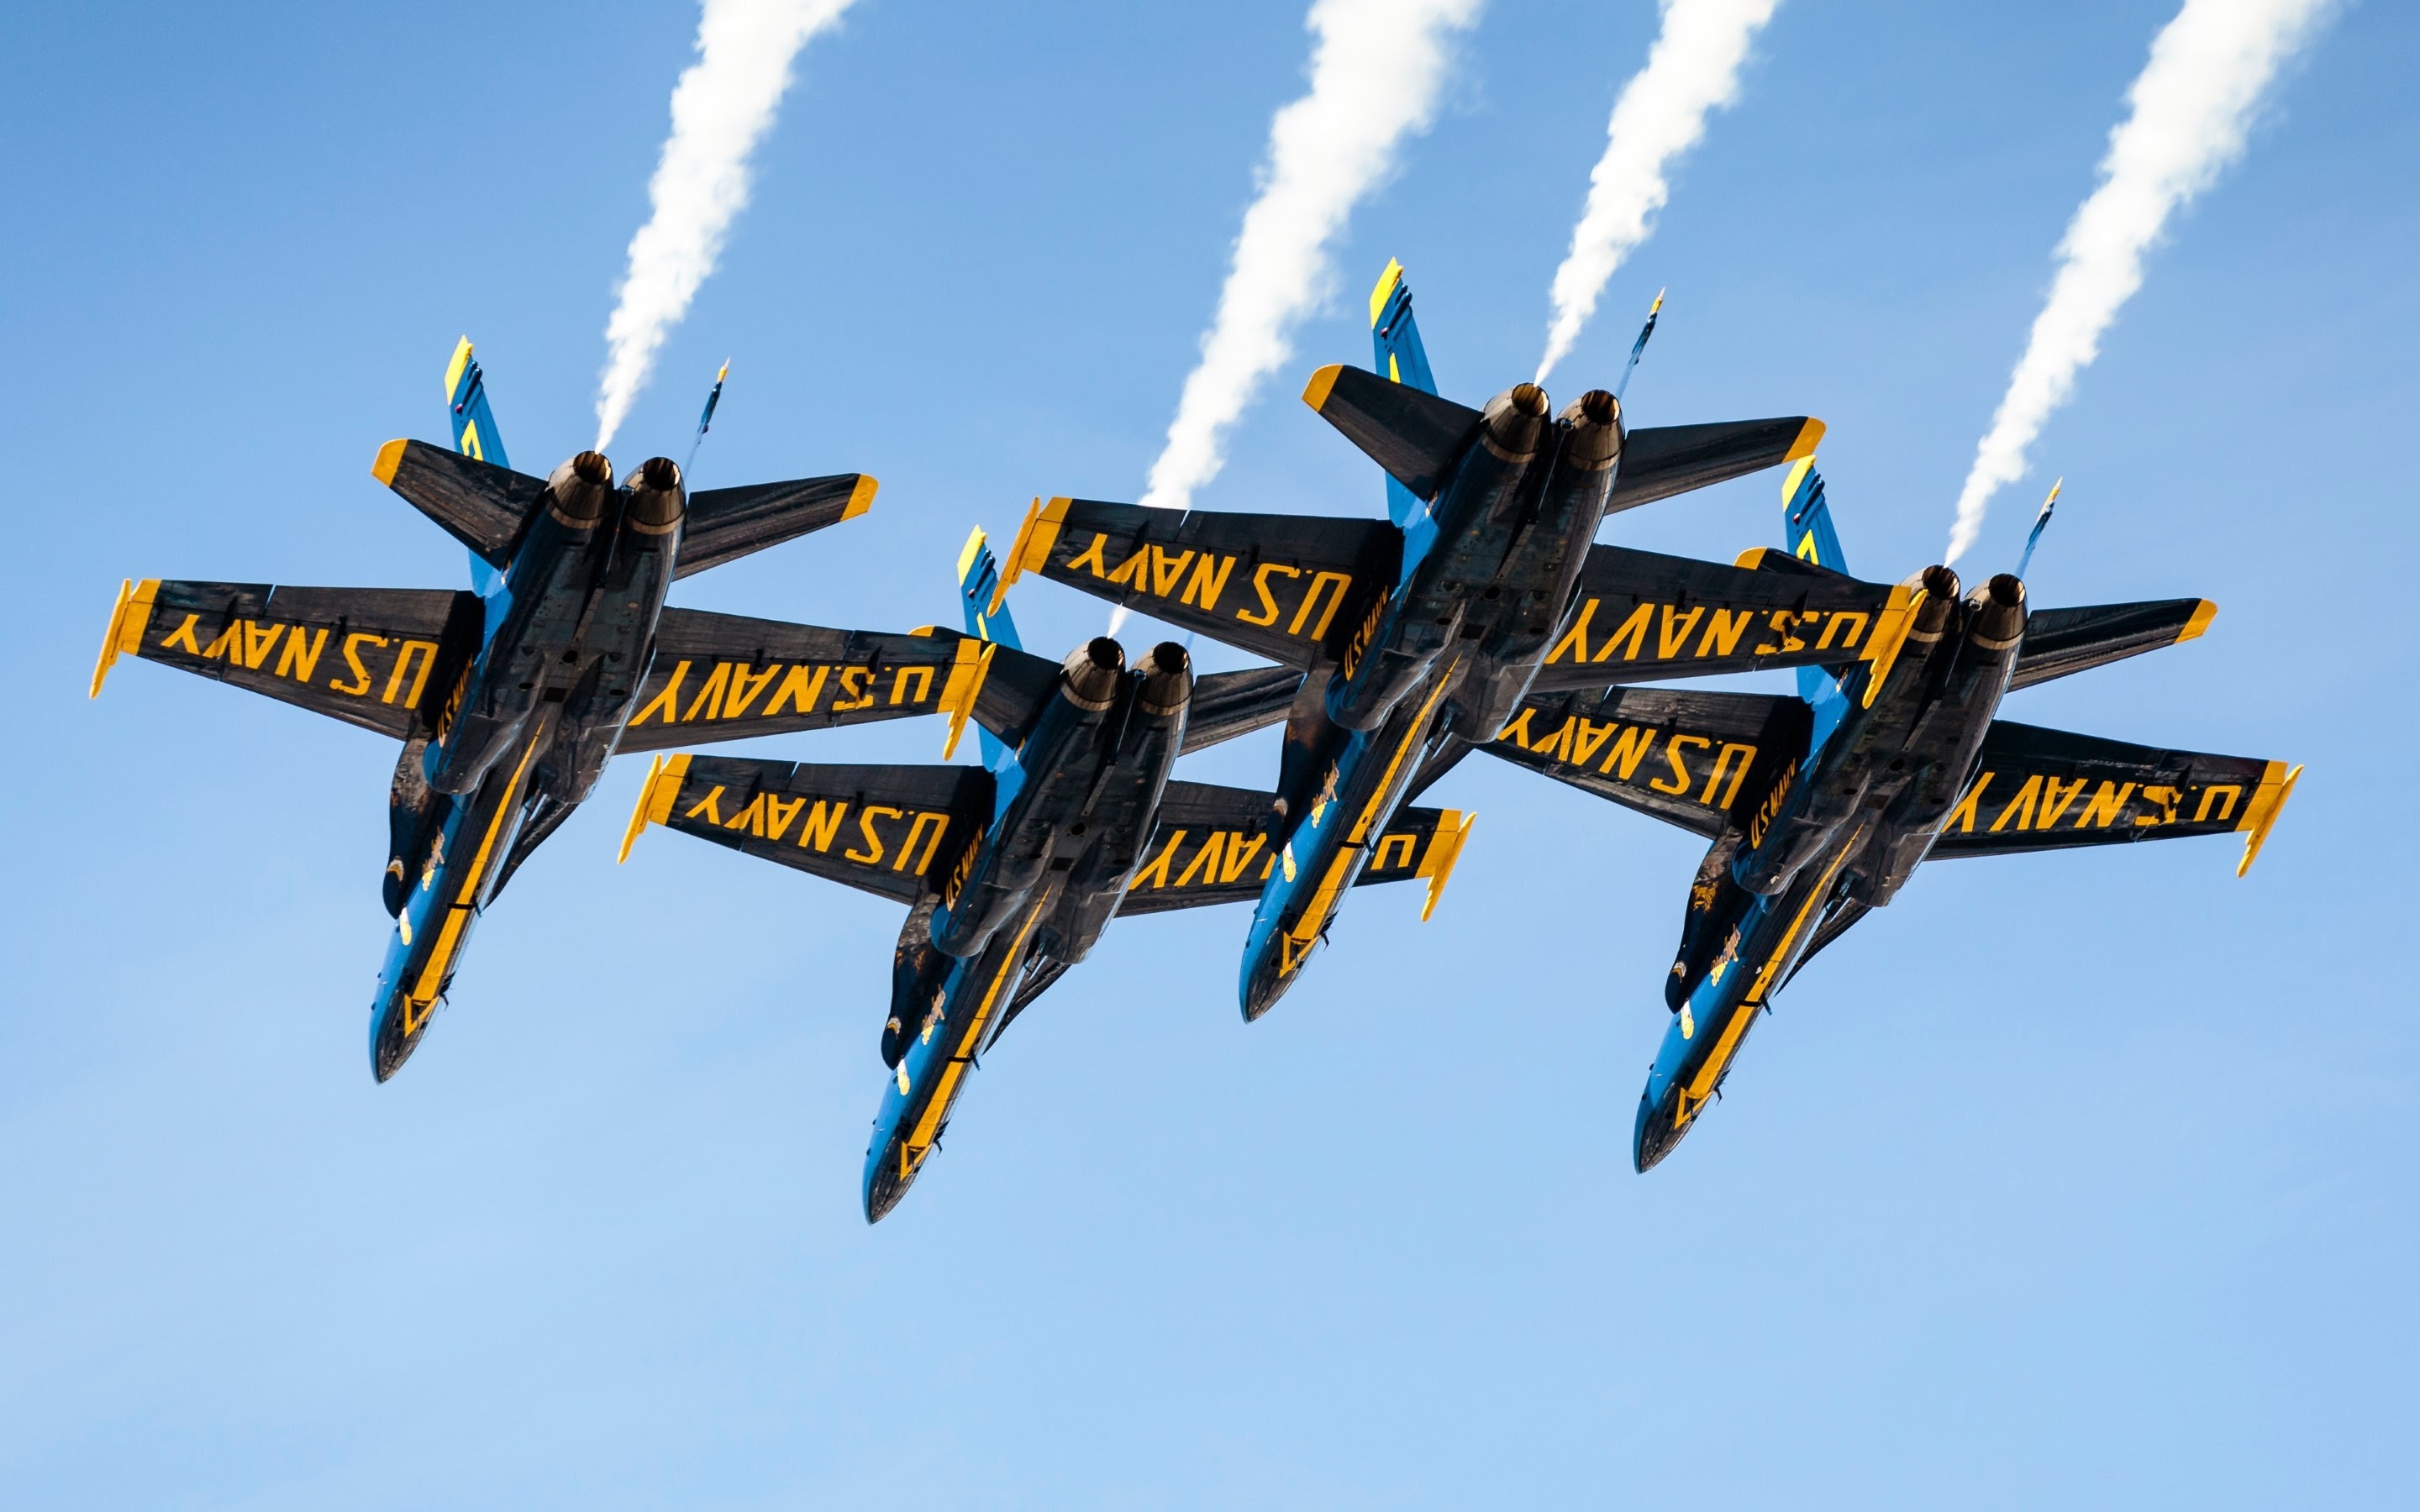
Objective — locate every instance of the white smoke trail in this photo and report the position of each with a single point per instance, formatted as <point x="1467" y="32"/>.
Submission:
<point x="2190" y="109"/>
<point x="1692" y="70"/>
<point x="722" y="108"/>
<point x="1376" y="69"/>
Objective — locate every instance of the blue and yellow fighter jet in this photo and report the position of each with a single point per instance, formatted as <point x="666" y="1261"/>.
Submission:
<point x="1420" y="635"/>
<point x="1838" y="795"/>
<point x="1011" y="870"/>
<point x="508" y="700"/>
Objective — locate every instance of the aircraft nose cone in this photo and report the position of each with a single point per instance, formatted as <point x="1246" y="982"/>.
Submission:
<point x="1654" y="1134"/>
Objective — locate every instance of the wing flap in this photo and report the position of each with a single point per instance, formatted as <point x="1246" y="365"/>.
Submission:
<point x="1281" y="586"/>
<point x="1227" y="704"/>
<point x="484" y="506"/>
<point x="725" y="524"/>
<point x="1643" y="616"/>
<point x="2062" y="641"/>
<point x="1658" y="461"/>
<point x="383" y="658"/>
<point x="1692" y="758"/>
<point x="893" y="831"/>
<point x="2037" y="789"/>
<point x="1411" y="433"/>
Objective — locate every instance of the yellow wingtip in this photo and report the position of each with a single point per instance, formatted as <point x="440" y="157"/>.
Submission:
<point x="861" y="498"/>
<point x="1322" y="382"/>
<point x="2202" y="615"/>
<point x="665" y="775"/>
<point x="1445" y="849"/>
<point x="390" y="460"/>
<point x="1752" y="558"/>
<point x="2262" y="816"/>
<point x="1810" y="435"/>
<point x="454" y="369"/>
<point x="128" y="619"/>
<point x="1386" y="286"/>
<point x="1030" y="550"/>
<point x="967" y="674"/>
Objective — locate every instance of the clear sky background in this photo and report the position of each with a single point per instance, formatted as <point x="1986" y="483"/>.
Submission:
<point x="2077" y="1180"/>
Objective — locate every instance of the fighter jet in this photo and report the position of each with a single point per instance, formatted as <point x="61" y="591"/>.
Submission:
<point x="510" y="699"/>
<point x="1010" y="870"/>
<point x="1844" y="791"/>
<point x="1420" y="635"/>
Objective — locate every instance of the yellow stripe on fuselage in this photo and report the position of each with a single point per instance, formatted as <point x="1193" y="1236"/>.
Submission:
<point x="449" y="936"/>
<point x="1701" y="1085"/>
<point x="929" y="1126"/>
<point x="1332" y="884"/>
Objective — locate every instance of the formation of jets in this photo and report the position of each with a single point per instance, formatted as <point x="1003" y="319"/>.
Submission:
<point x="1480" y="614"/>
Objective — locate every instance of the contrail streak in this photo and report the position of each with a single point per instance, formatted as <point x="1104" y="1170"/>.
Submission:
<point x="2188" y="111"/>
<point x="1375" y="70"/>
<point x="1692" y="70"/>
<point x="722" y="108"/>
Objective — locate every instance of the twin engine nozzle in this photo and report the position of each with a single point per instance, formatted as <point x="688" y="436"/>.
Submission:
<point x="1995" y="612"/>
<point x="579" y="493"/>
<point x="1094" y="670"/>
<point x="1515" y="420"/>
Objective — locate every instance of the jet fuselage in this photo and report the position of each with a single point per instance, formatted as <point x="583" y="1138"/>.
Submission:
<point x="1839" y="833"/>
<point x="529" y="726"/>
<point x="1030" y="896"/>
<point x="1489" y="577"/>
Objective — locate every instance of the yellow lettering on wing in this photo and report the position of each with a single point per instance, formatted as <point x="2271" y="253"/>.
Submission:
<point x="1747" y="755"/>
<point x="2210" y="795"/>
<point x="899" y="693"/>
<point x="745" y="686"/>
<point x="664" y="708"/>
<point x="1575" y="639"/>
<point x="427" y="650"/>
<point x="1856" y="623"/>
<point x="1672" y="753"/>
<point x="1629" y="750"/>
<point x="2103" y="808"/>
<point x="1156" y="874"/>
<point x="941" y="823"/>
<point x="1204" y="588"/>
<point x="2021" y="808"/>
<point x="300" y="660"/>
<point x="779" y="811"/>
<point x="1672" y="636"/>
<point x="1090" y="559"/>
<point x="1723" y="632"/>
<point x="1341" y="583"/>
<point x="1269" y="614"/>
<point x="1961" y="818"/>
<point x="2055" y="796"/>
<point x="822" y="826"/>
<point x="1205" y="860"/>
<point x="855" y="685"/>
<point x="257" y="640"/>
<point x="709" y="698"/>
<point x="708" y="807"/>
<point x="1629" y="637"/>
<point x="1239" y="855"/>
<point x="1168" y="569"/>
<point x="872" y="854"/>
<point x="184" y="636"/>
<point x="361" y="683"/>
<point x="1379" y="860"/>
<point x="801" y="686"/>
<point x="1130" y="573"/>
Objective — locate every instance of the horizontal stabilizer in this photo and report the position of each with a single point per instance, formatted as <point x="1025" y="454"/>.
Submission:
<point x="1642" y="616"/>
<point x="719" y="677"/>
<point x="484" y="506"/>
<point x="1288" y="587"/>
<point x="1412" y="433"/>
<point x="1227" y="704"/>
<point x="1687" y="757"/>
<point x="1658" y="461"/>
<point x="1215" y="845"/>
<point x="2062" y="641"/>
<point x="893" y="831"/>
<point x="725" y="524"/>
<point x="383" y="658"/>
<point x="2038" y="790"/>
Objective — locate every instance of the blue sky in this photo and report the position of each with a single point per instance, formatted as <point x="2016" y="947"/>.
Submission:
<point x="2077" y="1180"/>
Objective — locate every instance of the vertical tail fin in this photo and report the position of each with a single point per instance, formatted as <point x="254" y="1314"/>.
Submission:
<point x="978" y="582"/>
<point x="474" y="435"/>
<point x="1806" y="528"/>
<point x="1395" y="338"/>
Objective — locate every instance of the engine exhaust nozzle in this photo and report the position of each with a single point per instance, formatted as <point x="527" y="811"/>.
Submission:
<point x="1168" y="680"/>
<point x="1091" y="674"/>
<point x="657" y="501"/>
<point x="1996" y="613"/>
<point x="577" y="492"/>
<point x="1511" y="423"/>
<point x="1595" y="441"/>
<point x="1940" y="587"/>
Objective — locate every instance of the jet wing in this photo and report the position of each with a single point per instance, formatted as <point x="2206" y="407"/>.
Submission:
<point x="383" y="658"/>
<point x="2062" y="641"/>
<point x="1288" y="587"/>
<point x="720" y="678"/>
<point x="1690" y="758"/>
<point x="2037" y="790"/>
<point x="724" y="524"/>
<point x="1215" y="845"/>
<point x="1227" y="704"/>
<point x="894" y="831"/>
<point x="1644" y="617"/>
